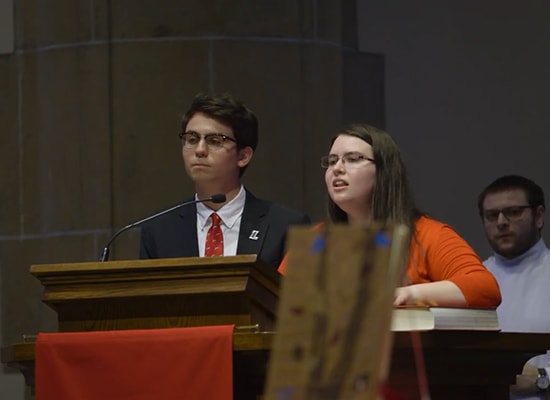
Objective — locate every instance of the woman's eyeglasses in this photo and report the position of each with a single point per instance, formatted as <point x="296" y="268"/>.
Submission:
<point x="351" y="160"/>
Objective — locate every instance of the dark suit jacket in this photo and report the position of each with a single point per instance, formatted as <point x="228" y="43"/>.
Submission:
<point x="175" y="234"/>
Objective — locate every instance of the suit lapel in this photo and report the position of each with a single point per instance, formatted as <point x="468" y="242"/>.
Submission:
<point x="188" y="231"/>
<point x="254" y="226"/>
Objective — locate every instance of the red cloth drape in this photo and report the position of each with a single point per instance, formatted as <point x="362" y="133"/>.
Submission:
<point x="145" y="364"/>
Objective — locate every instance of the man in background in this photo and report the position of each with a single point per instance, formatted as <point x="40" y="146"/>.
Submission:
<point x="512" y="212"/>
<point x="218" y="138"/>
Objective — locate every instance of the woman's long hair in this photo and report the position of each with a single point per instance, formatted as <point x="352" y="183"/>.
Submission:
<point x="392" y="200"/>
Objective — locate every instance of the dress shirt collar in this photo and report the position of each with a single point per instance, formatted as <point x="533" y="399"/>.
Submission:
<point x="229" y="213"/>
<point x="533" y="253"/>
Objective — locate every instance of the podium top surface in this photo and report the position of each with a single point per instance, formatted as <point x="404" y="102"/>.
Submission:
<point x="137" y="265"/>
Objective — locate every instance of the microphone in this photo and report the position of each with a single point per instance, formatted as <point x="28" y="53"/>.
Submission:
<point x="215" y="198"/>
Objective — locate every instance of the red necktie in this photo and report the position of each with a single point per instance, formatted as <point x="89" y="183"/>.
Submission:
<point x="214" y="238"/>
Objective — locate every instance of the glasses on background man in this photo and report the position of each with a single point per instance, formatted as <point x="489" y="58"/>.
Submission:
<point x="512" y="213"/>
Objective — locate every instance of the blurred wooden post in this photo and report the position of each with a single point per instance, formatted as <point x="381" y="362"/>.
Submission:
<point x="334" y="316"/>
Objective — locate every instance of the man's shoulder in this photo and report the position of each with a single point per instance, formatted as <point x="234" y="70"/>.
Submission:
<point x="489" y="262"/>
<point x="169" y="217"/>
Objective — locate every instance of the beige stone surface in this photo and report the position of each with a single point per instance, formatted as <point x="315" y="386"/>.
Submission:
<point x="59" y="23"/>
<point x="9" y="156"/>
<point x="153" y="85"/>
<point x="328" y="20"/>
<point x="294" y="89"/>
<point x="65" y="140"/>
<point x="246" y="18"/>
<point x="322" y="115"/>
<point x="23" y="311"/>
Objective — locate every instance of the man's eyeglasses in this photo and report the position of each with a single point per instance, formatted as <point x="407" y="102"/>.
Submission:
<point x="213" y="140"/>
<point x="510" y="213"/>
<point x="352" y="160"/>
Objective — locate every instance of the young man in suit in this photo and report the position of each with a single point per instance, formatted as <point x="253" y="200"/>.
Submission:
<point x="219" y="136"/>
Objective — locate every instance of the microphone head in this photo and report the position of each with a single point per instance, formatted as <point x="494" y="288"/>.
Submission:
<point x="217" y="198"/>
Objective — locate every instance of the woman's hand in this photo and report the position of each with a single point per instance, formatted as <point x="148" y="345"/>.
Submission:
<point x="442" y="293"/>
<point x="405" y="295"/>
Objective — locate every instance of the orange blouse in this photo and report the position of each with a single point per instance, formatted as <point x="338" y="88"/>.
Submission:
<point x="438" y="253"/>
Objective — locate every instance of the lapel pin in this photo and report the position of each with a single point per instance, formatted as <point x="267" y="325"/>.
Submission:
<point x="254" y="235"/>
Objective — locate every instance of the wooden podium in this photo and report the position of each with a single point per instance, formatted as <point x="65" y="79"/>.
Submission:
<point x="160" y="293"/>
<point x="164" y="293"/>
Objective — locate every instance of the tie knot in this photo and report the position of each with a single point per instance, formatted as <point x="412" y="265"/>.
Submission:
<point x="215" y="219"/>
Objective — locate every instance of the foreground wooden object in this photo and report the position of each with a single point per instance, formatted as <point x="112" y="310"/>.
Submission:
<point x="333" y="330"/>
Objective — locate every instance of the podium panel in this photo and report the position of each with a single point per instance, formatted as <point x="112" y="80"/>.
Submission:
<point x="160" y="293"/>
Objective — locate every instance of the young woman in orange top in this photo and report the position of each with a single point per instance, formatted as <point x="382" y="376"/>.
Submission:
<point x="366" y="180"/>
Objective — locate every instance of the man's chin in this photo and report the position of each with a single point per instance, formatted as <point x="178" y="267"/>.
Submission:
<point x="508" y="250"/>
<point x="200" y="175"/>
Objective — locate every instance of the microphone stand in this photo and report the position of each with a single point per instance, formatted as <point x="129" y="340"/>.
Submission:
<point x="216" y="198"/>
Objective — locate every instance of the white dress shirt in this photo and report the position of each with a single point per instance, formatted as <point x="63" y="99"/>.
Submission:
<point x="524" y="284"/>
<point x="230" y="215"/>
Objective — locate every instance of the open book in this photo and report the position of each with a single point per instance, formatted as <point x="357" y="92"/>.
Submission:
<point x="423" y="318"/>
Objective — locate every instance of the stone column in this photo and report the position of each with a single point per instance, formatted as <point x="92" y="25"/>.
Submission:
<point x="91" y="102"/>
